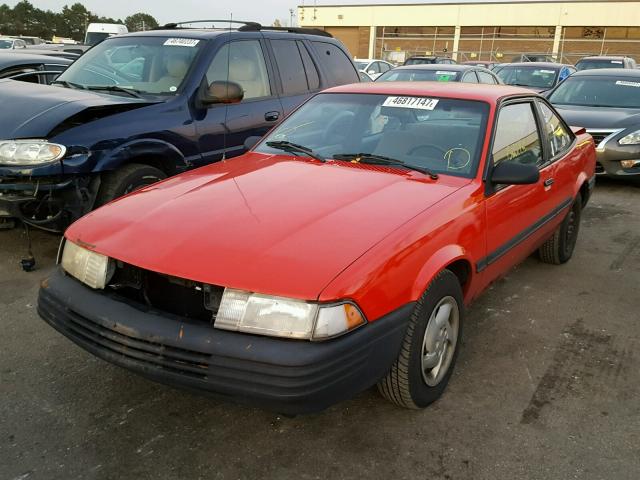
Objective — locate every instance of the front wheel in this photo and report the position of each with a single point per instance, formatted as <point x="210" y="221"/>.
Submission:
<point x="559" y="248"/>
<point x="429" y="350"/>
<point x="127" y="179"/>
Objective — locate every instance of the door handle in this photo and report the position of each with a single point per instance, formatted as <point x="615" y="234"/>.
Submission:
<point x="548" y="182"/>
<point x="271" y="116"/>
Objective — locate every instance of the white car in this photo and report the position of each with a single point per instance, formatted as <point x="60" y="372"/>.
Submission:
<point x="373" y="68"/>
<point x="7" y="43"/>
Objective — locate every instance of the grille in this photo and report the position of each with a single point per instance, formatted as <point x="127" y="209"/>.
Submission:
<point x="599" y="136"/>
<point x="177" y="360"/>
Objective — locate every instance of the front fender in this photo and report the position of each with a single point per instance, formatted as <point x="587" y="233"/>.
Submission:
<point x="162" y="152"/>
<point x="436" y="263"/>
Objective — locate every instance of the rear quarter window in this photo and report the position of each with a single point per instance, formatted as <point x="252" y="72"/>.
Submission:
<point x="338" y="65"/>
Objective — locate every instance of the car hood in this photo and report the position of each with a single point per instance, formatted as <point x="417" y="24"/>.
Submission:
<point x="278" y="225"/>
<point x="599" y="117"/>
<point x="33" y="111"/>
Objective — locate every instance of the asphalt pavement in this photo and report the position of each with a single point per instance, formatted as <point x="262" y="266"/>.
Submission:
<point x="547" y="386"/>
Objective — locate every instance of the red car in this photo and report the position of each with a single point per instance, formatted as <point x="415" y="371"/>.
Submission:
<point x="339" y="253"/>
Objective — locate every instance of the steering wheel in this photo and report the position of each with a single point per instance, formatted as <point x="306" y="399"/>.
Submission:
<point x="337" y="128"/>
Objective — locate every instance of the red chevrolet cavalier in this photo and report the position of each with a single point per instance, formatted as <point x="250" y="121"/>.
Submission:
<point x="339" y="253"/>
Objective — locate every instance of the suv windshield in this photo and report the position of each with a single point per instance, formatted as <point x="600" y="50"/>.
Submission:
<point x="596" y="91"/>
<point x="419" y="76"/>
<point x="4" y="44"/>
<point x="536" y="77"/>
<point x="593" y="64"/>
<point x="439" y="134"/>
<point x="146" y="65"/>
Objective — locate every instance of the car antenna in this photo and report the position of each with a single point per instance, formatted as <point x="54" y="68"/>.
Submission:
<point x="29" y="263"/>
<point x="226" y="105"/>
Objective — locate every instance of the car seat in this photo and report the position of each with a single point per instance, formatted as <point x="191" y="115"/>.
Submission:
<point x="245" y="73"/>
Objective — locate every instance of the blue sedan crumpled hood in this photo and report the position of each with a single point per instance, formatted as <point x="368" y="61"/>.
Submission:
<point x="33" y="111"/>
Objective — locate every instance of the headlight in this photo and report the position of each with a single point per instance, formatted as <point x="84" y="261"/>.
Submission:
<point x="632" y="139"/>
<point x="283" y="317"/>
<point x="91" y="268"/>
<point x="30" y="152"/>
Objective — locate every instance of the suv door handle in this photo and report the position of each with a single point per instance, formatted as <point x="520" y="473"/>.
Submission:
<point x="548" y="182"/>
<point x="271" y="116"/>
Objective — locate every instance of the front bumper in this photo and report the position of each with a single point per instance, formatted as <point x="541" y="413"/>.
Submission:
<point x="287" y="376"/>
<point x="51" y="203"/>
<point x="609" y="157"/>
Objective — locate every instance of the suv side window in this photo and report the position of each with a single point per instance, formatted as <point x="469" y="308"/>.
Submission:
<point x="484" y="77"/>
<point x="242" y="62"/>
<point x="310" y="69"/>
<point x="558" y="137"/>
<point x="338" y="64"/>
<point x="290" y="66"/>
<point x="517" y="138"/>
<point x="470" y="77"/>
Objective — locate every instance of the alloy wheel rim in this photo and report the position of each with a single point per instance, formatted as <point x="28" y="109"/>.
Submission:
<point x="440" y="340"/>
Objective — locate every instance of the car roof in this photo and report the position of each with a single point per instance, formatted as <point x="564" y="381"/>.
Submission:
<point x="538" y="64"/>
<point x="608" y="72"/>
<point x="207" y="33"/>
<point x="8" y="59"/>
<point x="454" y="67"/>
<point x="604" y="57"/>
<point x="463" y="91"/>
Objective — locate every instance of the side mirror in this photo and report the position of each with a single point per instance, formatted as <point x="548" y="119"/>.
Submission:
<point x="222" y="92"/>
<point x="251" y="142"/>
<point x="509" y="173"/>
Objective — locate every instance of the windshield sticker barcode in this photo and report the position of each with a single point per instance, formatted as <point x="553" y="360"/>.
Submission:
<point x="628" y="84"/>
<point x="181" y="42"/>
<point x="411" y="102"/>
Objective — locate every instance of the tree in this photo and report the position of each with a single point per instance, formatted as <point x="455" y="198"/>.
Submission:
<point x="140" y="21"/>
<point x="276" y="23"/>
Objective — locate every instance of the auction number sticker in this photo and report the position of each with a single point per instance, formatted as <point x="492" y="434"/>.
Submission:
<point x="181" y="42"/>
<point x="628" y="84"/>
<point x="411" y="102"/>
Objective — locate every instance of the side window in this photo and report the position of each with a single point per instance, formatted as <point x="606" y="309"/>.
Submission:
<point x="289" y="61"/>
<point x="309" y="67"/>
<point x="485" y="77"/>
<point x="564" y="73"/>
<point x="559" y="138"/>
<point x="517" y="138"/>
<point x="384" y="67"/>
<point x="470" y="77"/>
<point x="374" y="68"/>
<point x="338" y="65"/>
<point x="241" y="62"/>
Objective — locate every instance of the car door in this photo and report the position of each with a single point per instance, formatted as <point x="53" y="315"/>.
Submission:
<point x="297" y="74"/>
<point x="222" y="129"/>
<point x="518" y="216"/>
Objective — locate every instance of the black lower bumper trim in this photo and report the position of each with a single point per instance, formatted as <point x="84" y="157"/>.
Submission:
<point x="287" y="376"/>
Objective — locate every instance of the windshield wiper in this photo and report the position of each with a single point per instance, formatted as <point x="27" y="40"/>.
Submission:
<point x="374" y="159"/>
<point x="114" y="88"/>
<point x="295" y="148"/>
<point x="67" y="84"/>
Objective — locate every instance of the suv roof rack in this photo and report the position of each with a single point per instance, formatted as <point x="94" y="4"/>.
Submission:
<point x="249" y="27"/>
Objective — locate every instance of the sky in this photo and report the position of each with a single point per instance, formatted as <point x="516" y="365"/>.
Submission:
<point x="165" y="11"/>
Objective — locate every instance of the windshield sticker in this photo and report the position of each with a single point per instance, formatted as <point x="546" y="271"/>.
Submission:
<point x="547" y="71"/>
<point x="181" y="42"/>
<point x="617" y="61"/>
<point x="442" y="72"/>
<point x="628" y="84"/>
<point x="411" y="102"/>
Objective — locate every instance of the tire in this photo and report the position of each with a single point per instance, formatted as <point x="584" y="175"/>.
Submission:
<point x="125" y="180"/>
<point x="406" y="384"/>
<point x="559" y="248"/>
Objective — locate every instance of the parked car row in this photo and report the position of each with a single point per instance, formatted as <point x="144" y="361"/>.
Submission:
<point x="335" y="232"/>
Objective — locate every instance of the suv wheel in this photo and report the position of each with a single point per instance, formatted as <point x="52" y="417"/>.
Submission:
<point x="127" y="179"/>
<point x="429" y="349"/>
<point x="559" y="248"/>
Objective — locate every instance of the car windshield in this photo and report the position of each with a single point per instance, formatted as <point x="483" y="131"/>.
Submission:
<point x="94" y="38"/>
<point x="439" y="134"/>
<point x="402" y="75"/>
<point x="146" y="65"/>
<point x="361" y="65"/>
<point x="594" y="64"/>
<point x="4" y="44"/>
<point x="536" y="77"/>
<point x="597" y="91"/>
<point x="419" y="61"/>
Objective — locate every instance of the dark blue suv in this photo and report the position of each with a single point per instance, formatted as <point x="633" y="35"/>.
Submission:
<point x="140" y="107"/>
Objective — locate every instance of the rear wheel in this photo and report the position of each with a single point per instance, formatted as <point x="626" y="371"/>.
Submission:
<point x="559" y="248"/>
<point x="429" y="350"/>
<point x="127" y="179"/>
